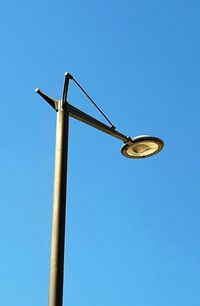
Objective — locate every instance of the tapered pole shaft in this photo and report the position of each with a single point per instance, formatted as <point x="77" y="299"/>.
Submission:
<point x="59" y="204"/>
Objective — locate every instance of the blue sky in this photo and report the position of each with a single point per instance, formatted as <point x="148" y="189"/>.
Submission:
<point x="133" y="231"/>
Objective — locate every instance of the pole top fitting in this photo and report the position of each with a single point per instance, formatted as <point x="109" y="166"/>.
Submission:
<point x="67" y="74"/>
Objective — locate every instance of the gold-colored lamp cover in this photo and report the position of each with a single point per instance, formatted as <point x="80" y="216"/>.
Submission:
<point x="142" y="146"/>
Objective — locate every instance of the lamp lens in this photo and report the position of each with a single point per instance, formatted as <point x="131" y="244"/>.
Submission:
<point x="142" y="148"/>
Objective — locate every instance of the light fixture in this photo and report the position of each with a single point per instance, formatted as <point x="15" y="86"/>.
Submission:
<point x="142" y="146"/>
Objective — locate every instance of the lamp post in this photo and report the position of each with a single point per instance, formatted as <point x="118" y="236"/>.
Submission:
<point x="138" y="147"/>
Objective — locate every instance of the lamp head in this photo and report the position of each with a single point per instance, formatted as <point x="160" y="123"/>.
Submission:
<point x="142" y="146"/>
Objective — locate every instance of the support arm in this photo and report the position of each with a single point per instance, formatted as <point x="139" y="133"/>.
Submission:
<point x="83" y="117"/>
<point x="89" y="120"/>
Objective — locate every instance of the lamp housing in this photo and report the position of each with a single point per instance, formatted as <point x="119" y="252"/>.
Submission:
<point x="142" y="146"/>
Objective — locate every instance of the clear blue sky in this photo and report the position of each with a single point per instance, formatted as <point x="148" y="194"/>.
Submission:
<point x="133" y="230"/>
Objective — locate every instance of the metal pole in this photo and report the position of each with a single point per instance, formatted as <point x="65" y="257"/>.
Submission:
<point x="59" y="202"/>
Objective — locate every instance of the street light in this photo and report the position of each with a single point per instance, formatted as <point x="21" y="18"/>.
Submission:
<point x="137" y="147"/>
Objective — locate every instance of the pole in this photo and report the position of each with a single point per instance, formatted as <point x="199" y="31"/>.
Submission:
<point x="59" y="201"/>
<point x="64" y="110"/>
